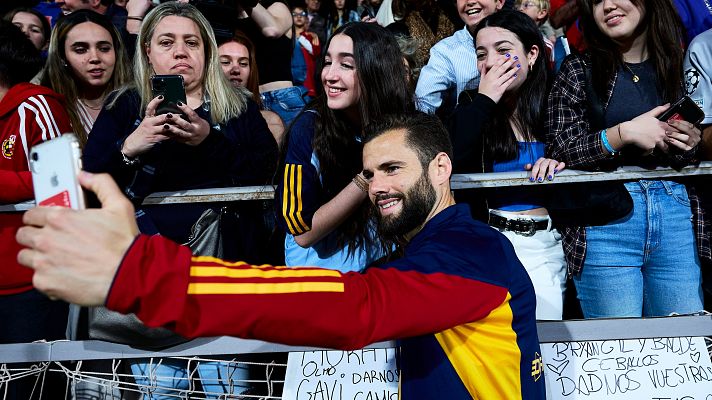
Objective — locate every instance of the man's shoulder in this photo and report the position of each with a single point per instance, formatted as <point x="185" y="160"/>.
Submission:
<point x="464" y="247"/>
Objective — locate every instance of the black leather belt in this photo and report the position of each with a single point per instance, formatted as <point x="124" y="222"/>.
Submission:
<point x="526" y="227"/>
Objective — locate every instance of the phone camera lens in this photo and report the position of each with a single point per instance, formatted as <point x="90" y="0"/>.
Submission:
<point x="35" y="156"/>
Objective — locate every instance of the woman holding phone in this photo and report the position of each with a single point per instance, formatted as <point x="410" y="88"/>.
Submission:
<point x="646" y="263"/>
<point x="222" y="141"/>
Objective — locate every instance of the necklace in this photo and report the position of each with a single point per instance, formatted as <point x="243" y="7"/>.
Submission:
<point x="95" y="108"/>
<point x="636" y="78"/>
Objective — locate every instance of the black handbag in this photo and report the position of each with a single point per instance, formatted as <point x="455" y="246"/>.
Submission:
<point x="589" y="204"/>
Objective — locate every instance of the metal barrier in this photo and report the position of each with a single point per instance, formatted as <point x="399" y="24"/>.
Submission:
<point x="549" y="331"/>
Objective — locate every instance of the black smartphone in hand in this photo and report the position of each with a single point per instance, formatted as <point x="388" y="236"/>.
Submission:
<point x="172" y="89"/>
<point x="684" y="109"/>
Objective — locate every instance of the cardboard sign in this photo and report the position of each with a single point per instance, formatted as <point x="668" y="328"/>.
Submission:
<point x="640" y="369"/>
<point x="366" y="374"/>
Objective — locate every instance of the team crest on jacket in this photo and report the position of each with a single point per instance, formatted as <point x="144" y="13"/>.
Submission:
<point x="537" y="366"/>
<point x="8" y="147"/>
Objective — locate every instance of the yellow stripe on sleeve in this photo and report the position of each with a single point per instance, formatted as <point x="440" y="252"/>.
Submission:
<point x="299" y="199"/>
<point x="286" y="194"/>
<point x="261" y="273"/>
<point x="264" y="288"/>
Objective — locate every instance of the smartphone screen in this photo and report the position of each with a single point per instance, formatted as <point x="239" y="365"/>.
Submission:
<point x="55" y="167"/>
<point x="172" y="89"/>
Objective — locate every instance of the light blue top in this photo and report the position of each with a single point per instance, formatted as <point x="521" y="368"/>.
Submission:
<point x="452" y="68"/>
<point x="326" y="253"/>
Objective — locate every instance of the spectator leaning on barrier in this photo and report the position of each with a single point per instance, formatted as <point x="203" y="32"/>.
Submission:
<point x="647" y="260"/>
<point x="322" y="195"/>
<point x="500" y="130"/>
<point x="221" y="140"/>
<point x="459" y="300"/>
<point x="29" y="115"/>
<point x="450" y="69"/>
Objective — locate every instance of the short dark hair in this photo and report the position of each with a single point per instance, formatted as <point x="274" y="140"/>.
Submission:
<point x="424" y="133"/>
<point x="19" y="59"/>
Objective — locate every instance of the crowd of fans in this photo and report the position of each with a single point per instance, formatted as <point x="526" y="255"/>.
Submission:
<point x="280" y="92"/>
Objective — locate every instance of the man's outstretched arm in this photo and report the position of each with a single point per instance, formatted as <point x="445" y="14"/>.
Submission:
<point x="76" y="256"/>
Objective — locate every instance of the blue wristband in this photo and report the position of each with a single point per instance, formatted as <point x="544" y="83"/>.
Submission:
<point x="607" y="145"/>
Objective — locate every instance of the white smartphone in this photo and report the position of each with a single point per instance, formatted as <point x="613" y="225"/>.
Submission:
<point x="55" y="167"/>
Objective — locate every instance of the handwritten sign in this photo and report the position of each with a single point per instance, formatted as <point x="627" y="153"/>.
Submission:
<point x="366" y="374"/>
<point x="641" y="369"/>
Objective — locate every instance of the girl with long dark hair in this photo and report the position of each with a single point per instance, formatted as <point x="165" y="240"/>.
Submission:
<point x="647" y="262"/>
<point x="322" y="195"/>
<point x="500" y="130"/>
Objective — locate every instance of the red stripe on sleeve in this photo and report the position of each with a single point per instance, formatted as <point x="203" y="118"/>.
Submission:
<point x="380" y="304"/>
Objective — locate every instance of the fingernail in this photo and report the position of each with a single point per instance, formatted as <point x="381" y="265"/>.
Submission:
<point x="179" y="103"/>
<point x="531" y="179"/>
<point x="556" y="171"/>
<point x="506" y="55"/>
<point x="169" y="115"/>
<point x="160" y="97"/>
<point x="516" y="57"/>
<point x="541" y="179"/>
<point x="519" y="65"/>
<point x="551" y="177"/>
<point x="166" y="127"/>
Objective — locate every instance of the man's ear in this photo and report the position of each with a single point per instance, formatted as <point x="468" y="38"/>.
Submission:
<point x="440" y="169"/>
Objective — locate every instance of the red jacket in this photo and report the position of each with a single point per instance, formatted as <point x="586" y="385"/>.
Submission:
<point x="29" y="114"/>
<point x="310" y="60"/>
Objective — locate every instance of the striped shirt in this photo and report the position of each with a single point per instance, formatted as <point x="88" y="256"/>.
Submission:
<point x="451" y="69"/>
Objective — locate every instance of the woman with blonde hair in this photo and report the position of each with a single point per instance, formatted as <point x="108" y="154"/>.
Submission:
<point x="217" y="138"/>
<point x="87" y="60"/>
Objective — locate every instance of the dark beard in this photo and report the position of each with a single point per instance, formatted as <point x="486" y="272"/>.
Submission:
<point x="417" y="203"/>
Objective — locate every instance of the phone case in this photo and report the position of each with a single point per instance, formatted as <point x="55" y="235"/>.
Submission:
<point x="172" y="89"/>
<point x="55" y="167"/>
<point x="684" y="109"/>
